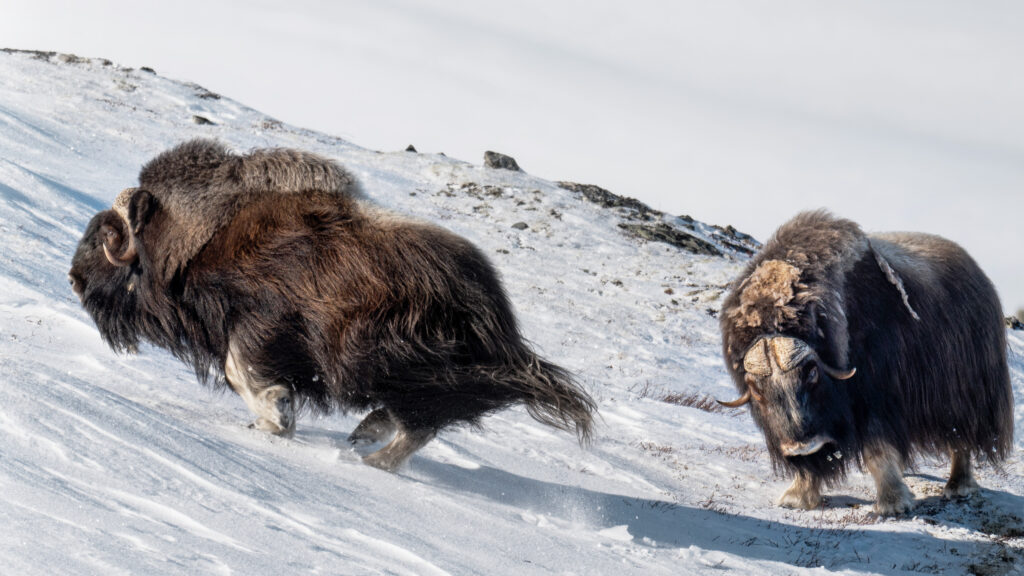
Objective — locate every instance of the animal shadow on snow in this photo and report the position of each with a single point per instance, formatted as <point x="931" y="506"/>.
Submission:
<point x="665" y="524"/>
<point x="994" y="512"/>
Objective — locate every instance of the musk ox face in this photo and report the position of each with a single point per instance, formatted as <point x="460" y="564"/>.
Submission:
<point x="105" y="285"/>
<point x="800" y="401"/>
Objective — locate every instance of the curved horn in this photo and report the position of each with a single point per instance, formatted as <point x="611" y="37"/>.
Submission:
<point x="111" y="244"/>
<point x="745" y="399"/>
<point x="789" y="352"/>
<point x="836" y="373"/>
<point x="112" y="238"/>
<point x="755" y="361"/>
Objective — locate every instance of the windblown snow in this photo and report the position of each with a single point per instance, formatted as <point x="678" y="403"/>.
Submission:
<point x="116" y="464"/>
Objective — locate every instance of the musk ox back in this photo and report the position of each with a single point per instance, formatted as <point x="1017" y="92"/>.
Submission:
<point x="272" y="271"/>
<point x="868" y="350"/>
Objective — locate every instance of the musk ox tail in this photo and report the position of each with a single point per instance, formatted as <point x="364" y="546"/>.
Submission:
<point x="552" y="396"/>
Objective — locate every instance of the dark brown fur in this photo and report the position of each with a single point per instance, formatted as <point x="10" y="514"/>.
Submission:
<point x="347" y="305"/>
<point x="912" y="312"/>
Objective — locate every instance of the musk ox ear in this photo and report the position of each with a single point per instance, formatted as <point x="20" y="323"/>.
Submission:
<point x="141" y="207"/>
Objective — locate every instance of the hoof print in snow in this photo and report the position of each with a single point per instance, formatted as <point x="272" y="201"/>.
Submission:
<point x="500" y="161"/>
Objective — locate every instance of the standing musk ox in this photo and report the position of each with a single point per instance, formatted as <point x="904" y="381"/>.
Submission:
<point x="868" y="350"/>
<point x="271" y="270"/>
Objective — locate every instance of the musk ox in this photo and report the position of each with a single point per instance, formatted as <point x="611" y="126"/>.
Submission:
<point x="868" y="350"/>
<point x="272" y="272"/>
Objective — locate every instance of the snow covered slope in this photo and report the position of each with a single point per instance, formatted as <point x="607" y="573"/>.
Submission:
<point x="125" y="465"/>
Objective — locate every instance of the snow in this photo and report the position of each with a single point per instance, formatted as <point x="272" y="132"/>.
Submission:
<point x="125" y="465"/>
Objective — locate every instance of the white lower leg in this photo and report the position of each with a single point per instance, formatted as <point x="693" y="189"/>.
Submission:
<point x="961" y="479"/>
<point x="273" y="405"/>
<point x="804" y="493"/>
<point x="892" y="495"/>
<point x="399" y="450"/>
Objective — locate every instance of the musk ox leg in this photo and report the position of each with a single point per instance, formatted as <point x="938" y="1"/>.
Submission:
<point x="804" y="493"/>
<point x="400" y="449"/>
<point x="376" y="427"/>
<point x="961" y="480"/>
<point x="892" y="495"/>
<point x="272" y="403"/>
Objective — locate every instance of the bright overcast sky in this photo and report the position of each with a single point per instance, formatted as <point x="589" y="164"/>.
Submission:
<point x="900" y="115"/>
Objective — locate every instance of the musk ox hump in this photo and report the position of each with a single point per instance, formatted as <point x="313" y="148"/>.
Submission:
<point x="200" y="186"/>
<point x="291" y="171"/>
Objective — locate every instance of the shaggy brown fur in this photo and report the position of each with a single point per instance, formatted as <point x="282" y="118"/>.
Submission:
<point x="918" y="320"/>
<point x="305" y="294"/>
<point x="203" y="185"/>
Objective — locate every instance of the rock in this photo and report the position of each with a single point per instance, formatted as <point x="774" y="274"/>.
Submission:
<point x="202" y="121"/>
<point x="1014" y="323"/>
<point x="500" y="161"/>
<point x="606" y="199"/>
<point x="649" y="228"/>
<point x="37" y="54"/>
<point x="410" y="148"/>
<point x="147" y="69"/>
<point x="71" y="59"/>
<point x="662" y="232"/>
<point x="520" y="225"/>
<point x="203" y="92"/>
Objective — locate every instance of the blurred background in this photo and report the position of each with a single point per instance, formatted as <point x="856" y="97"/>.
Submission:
<point x="900" y="115"/>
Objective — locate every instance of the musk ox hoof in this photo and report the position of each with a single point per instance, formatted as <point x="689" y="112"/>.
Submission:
<point x="395" y="454"/>
<point x="800" y="495"/>
<point x="895" y="502"/>
<point x="964" y="488"/>
<point x="273" y="427"/>
<point x="376" y="427"/>
<point x="798" y="501"/>
<point x="277" y="411"/>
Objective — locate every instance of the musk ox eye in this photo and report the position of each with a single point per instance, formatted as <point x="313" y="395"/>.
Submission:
<point x="76" y="283"/>
<point x="812" y="374"/>
<point x="111" y="237"/>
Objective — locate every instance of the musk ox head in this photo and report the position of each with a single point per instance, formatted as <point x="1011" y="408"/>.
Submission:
<point x="800" y="399"/>
<point x="129" y="257"/>
<point x="785" y="342"/>
<point x="105" y="274"/>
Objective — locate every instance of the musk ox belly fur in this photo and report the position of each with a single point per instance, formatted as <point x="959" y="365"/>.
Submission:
<point x="858" y="349"/>
<point x="277" y="275"/>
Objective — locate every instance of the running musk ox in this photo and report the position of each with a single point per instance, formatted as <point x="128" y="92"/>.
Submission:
<point x="271" y="270"/>
<point x="868" y="350"/>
